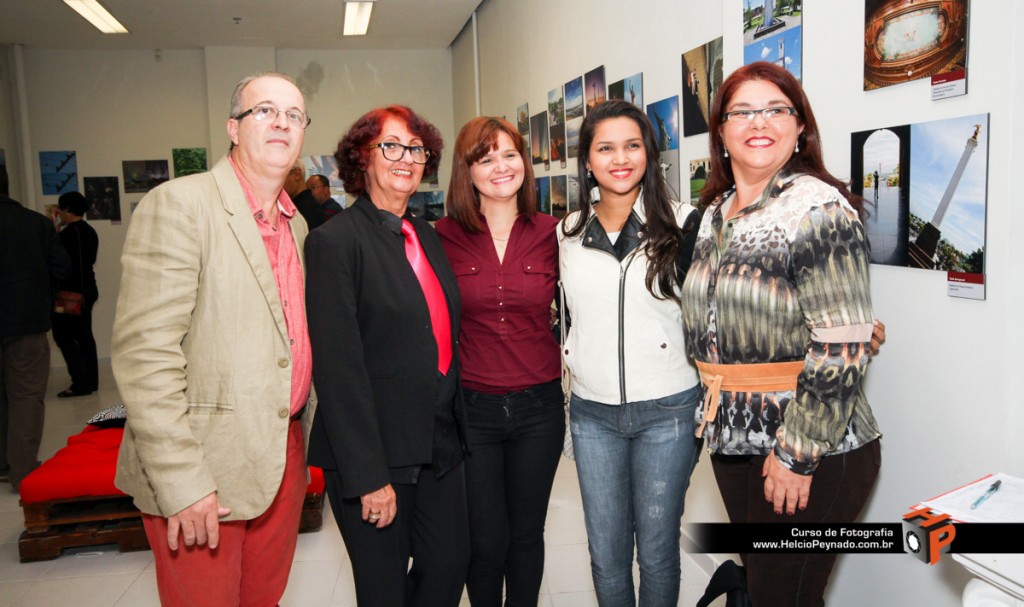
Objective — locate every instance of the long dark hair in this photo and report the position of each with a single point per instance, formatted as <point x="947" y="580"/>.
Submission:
<point x="476" y="139"/>
<point x="663" y="233"/>
<point x="808" y="160"/>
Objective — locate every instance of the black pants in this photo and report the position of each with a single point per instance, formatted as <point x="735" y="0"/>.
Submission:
<point x="516" y="440"/>
<point x="430" y="527"/>
<point x="73" y="335"/>
<point x="839" y="491"/>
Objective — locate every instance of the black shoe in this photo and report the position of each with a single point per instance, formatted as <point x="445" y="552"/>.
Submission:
<point x="71" y="393"/>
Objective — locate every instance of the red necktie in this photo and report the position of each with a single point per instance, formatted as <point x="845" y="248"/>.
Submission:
<point x="436" y="301"/>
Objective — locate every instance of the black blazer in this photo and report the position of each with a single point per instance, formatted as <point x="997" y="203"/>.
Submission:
<point x="32" y="260"/>
<point x="374" y="353"/>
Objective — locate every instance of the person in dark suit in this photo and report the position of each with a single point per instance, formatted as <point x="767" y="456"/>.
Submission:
<point x="73" y="332"/>
<point x="302" y="197"/>
<point x="31" y="261"/>
<point x="383" y="310"/>
<point x="320" y="187"/>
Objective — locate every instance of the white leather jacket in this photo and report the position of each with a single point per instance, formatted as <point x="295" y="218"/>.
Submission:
<point x="624" y="345"/>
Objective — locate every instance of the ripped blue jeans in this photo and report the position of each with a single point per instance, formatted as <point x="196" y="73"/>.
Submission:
<point x="634" y="463"/>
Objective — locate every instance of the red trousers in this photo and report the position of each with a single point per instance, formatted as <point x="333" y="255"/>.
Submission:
<point x="250" y="566"/>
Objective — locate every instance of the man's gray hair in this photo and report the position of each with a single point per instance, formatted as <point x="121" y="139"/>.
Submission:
<point x="236" y="97"/>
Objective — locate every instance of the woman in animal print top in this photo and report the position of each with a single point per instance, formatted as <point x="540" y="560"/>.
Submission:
<point x="780" y="275"/>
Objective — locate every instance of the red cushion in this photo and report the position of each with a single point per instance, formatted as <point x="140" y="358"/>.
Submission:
<point x="85" y="467"/>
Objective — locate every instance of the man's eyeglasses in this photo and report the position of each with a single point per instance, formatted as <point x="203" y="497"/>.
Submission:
<point x="769" y="114"/>
<point x="262" y="113"/>
<point x="394" y="151"/>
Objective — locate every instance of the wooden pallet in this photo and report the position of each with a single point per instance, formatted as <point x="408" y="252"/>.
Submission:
<point x="52" y="526"/>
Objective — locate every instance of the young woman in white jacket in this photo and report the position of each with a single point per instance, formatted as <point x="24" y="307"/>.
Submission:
<point x="622" y="259"/>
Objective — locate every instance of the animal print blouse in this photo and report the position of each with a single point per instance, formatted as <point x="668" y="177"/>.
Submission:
<point x="785" y="279"/>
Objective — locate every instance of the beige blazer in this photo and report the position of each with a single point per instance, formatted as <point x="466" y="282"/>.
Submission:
<point x="200" y="351"/>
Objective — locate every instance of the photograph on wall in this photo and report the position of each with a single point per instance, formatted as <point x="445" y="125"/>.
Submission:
<point x="59" y="172"/>
<point x="702" y="75"/>
<point x="629" y="89"/>
<point x="698" y="177"/>
<point x="539" y="139"/>
<point x="906" y="41"/>
<point x="104" y="198"/>
<point x="143" y="175"/>
<point x="543" y="185"/>
<point x="572" y="193"/>
<point x="559" y="196"/>
<point x="431" y="179"/>
<point x="925" y="186"/>
<point x="664" y="115"/>
<point x="523" y="123"/>
<point x="556" y="126"/>
<point x="188" y="161"/>
<point x="556" y="107"/>
<point x="574" y="98"/>
<point x="669" y="162"/>
<point x="572" y="136"/>
<point x="558" y="146"/>
<point x="324" y="165"/>
<point x="427" y="204"/>
<point x="716" y="67"/>
<point x="772" y="31"/>
<point x="594" y="88"/>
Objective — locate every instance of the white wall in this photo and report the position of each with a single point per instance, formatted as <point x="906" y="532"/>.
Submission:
<point x="944" y="386"/>
<point x="110" y="106"/>
<point x="8" y="141"/>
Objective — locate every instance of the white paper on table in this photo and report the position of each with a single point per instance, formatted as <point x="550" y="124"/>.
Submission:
<point x="1004" y="506"/>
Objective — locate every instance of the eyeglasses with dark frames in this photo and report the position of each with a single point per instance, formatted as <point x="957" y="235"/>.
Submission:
<point x="394" y="151"/>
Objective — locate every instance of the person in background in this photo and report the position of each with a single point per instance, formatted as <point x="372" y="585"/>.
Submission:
<point x="302" y="197"/>
<point x="32" y="260"/>
<point x="320" y="187"/>
<point x="73" y="332"/>
<point x="505" y="257"/>
<point x="211" y="356"/>
<point x="622" y="257"/>
<point x="778" y="296"/>
<point x="383" y="310"/>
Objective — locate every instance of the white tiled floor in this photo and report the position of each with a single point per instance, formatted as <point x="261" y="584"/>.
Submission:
<point x="320" y="575"/>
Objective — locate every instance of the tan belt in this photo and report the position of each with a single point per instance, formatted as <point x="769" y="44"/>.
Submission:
<point x="760" y="377"/>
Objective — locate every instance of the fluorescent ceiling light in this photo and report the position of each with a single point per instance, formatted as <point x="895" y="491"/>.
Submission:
<point x="97" y="15"/>
<point x="357" y="18"/>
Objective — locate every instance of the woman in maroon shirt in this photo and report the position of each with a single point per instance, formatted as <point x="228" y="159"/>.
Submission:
<point x="505" y="257"/>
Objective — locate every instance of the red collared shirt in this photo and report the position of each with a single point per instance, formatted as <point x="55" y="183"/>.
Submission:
<point x="284" y="262"/>
<point x="506" y="343"/>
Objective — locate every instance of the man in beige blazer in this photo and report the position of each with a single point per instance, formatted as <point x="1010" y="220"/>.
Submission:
<point x="211" y="356"/>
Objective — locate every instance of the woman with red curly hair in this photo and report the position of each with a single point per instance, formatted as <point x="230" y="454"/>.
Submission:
<point x="383" y="312"/>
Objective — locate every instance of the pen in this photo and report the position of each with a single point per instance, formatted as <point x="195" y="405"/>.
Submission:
<point x="988" y="493"/>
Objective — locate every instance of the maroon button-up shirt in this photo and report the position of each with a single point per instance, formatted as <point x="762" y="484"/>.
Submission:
<point x="506" y="343"/>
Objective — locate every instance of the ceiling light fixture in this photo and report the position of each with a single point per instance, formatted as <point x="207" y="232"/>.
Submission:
<point x="97" y="15"/>
<point x="357" y="18"/>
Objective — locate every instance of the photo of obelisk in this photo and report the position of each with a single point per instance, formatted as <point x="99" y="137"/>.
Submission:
<point x="921" y="252"/>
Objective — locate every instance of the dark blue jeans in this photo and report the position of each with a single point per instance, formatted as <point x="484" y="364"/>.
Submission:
<point x="516" y="440"/>
<point x="634" y="463"/>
